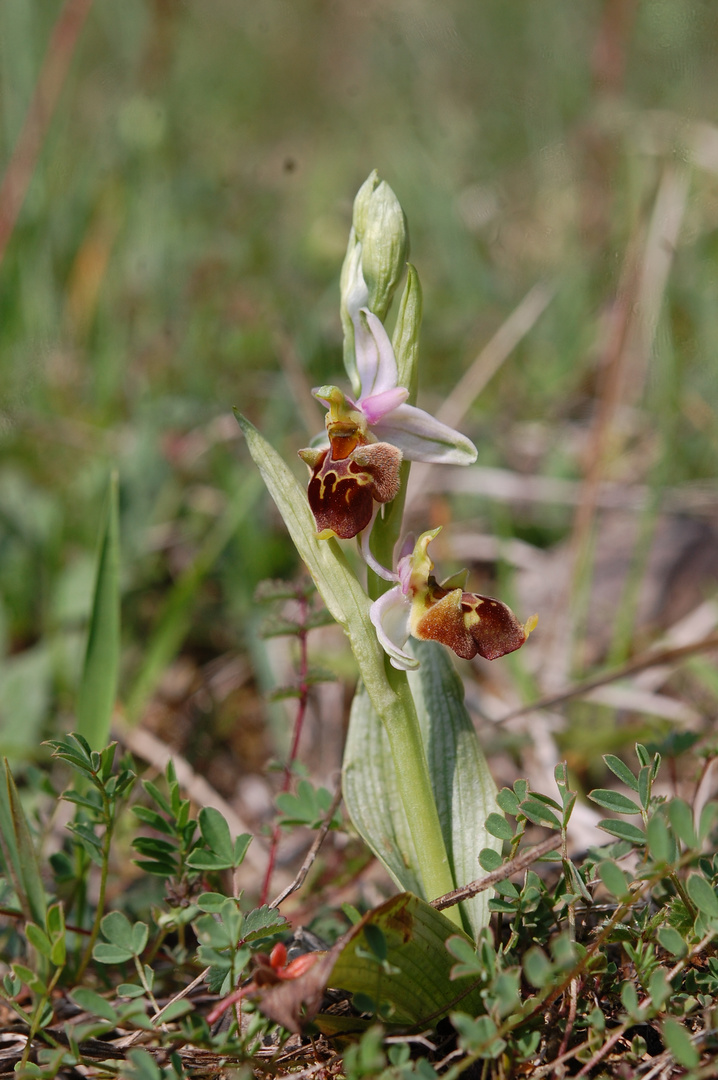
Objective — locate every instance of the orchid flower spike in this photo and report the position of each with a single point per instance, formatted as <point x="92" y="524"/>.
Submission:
<point x="369" y="437"/>
<point x="419" y="606"/>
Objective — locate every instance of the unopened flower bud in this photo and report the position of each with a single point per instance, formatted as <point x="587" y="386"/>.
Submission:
<point x="374" y="262"/>
<point x="380" y="228"/>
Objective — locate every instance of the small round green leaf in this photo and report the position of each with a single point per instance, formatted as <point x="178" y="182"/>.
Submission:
<point x="507" y="801"/>
<point x="614" y="879"/>
<point x="92" y="1003"/>
<point x="499" y="827"/>
<point x="539" y="813"/>
<point x="672" y="941"/>
<point x="537" y="967"/>
<point x="703" y="895"/>
<point x="111" y="954"/>
<point x="117" y="928"/>
<point x="489" y="859"/>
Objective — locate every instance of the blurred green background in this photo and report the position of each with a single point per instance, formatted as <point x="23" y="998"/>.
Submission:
<point x="178" y="251"/>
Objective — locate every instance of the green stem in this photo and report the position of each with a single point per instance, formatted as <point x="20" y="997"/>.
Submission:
<point x="108" y="808"/>
<point x="139" y="968"/>
<point x="37" y="1017"/>
<point x="414" y="783"/>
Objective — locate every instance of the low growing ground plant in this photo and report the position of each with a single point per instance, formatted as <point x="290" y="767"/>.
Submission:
<point x="501" y="953"/>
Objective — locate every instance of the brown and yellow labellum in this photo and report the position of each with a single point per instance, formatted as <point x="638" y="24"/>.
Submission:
<point x="345" y="485"/>
<point x="467" y="622"/>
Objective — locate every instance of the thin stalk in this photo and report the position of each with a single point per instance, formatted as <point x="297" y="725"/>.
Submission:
<point x="298" y="725"/>
<point x="104" y="871"/>
<point x="37" y="1016"/>
<point x="145" y="984"/>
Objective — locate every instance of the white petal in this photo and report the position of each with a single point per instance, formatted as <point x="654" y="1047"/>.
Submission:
<point x="390" y="616"/>
<point x="376" y="362"/>
<point x="355" y="291"/>
<point x="423" y="438"/>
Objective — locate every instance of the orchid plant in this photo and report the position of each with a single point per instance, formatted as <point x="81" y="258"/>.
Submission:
<point x="415" y="781"/>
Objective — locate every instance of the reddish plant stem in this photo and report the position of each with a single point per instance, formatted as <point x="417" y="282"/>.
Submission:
<point x="298" y="725"/>
<point x="52" y="75"/>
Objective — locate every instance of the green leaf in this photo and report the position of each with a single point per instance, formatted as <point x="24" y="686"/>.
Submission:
<point x="464" y="951"/>
<point x="507" y="801"/>
<point x="621" y="770"/>
<point x="490" y="859"/>
<point x="261" y="922"/>
<point x="478" y="1036"/>
<point x="659" y="988"/>
<point x="144" y="1066"/>
<point x="703" y="895"/>
<point x="538" y="969"/>
<point x="672" y="941"/>
<point x="624" y="830"/>
<point x="521" y="788"/>
<point x="215" y="833"/>
<point x="153" y="818"/>
<point x="32" y="980"/>
<point x="224" y="853"/>
<point x="140" y="933"/>
<point x="679" y="1043"/>
<point x="111" y="954"/>
<point x="575" y="882"/>
<point x="659" y="840"/>
<point x="498" y="826"/>
<point x="38" y="939"/>
<point x="91" y="1002"/>
<point x="709" y="816"/>
<point x="98" y="685"/>
<point x="417" y="984"/>
<point x="211" y="902"/>
<point x="643" y="756"/>
<point x="681" y="818"/>
<point x="118" y="930"/>
<point x="645" y="780"/>
<point x="614" y="879"/>
<point x="18" y="850"/>
<point x="629" y="1000"/>
<point x="539" y="813"/>
<point x="614" y="801"/>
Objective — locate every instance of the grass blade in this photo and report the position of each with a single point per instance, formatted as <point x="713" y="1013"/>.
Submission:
<point x="98" y="686"/>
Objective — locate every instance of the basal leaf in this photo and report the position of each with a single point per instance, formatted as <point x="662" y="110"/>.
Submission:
<point x="419" y="987"/>
<point x="463" y="788"/>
